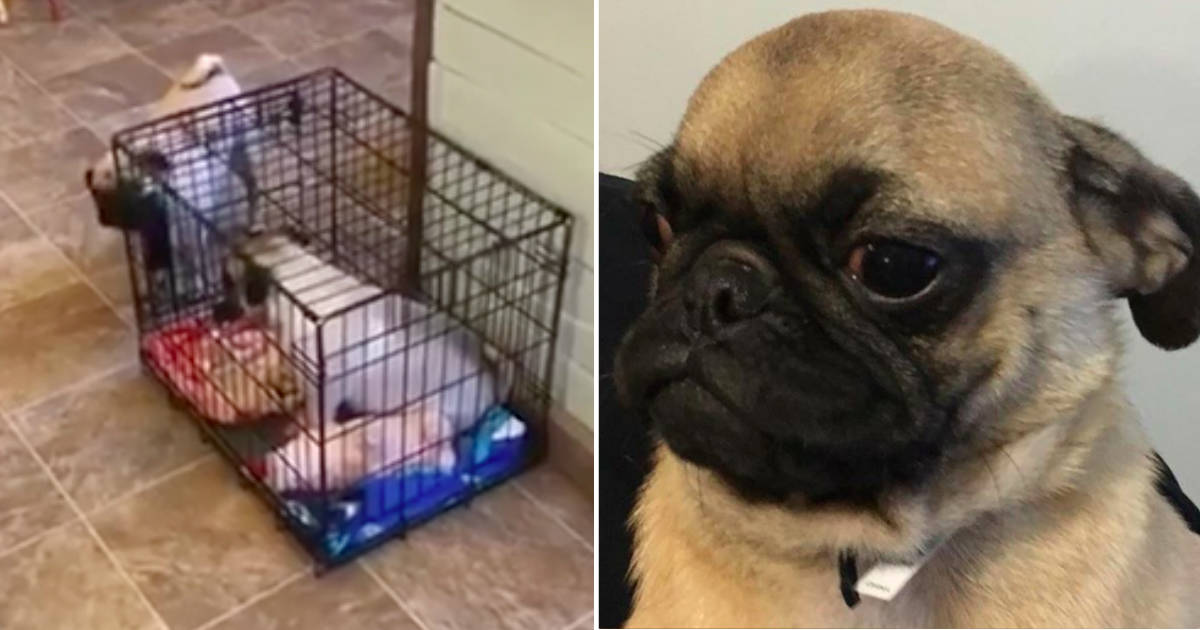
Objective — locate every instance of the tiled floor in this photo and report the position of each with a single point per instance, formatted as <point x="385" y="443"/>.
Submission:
<point x="113" y="514"/>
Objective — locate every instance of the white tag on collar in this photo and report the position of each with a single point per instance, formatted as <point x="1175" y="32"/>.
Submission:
<point x="886" y="579"/>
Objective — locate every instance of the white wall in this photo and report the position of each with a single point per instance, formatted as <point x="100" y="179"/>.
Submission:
<point x="1133" y="66"/>
<point x="512" y="81"/>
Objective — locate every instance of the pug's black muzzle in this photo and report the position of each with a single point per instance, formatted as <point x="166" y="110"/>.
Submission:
<point x="738" y="375"/>
<point x="108" y="209"/>
<point x="121" y="207"/>
<point x="132" y="208"/>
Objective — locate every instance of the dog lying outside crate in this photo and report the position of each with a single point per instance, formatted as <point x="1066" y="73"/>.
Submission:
<point x="356" y="405"/>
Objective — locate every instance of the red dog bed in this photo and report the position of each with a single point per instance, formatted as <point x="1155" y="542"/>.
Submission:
<point x="231" y="374"/>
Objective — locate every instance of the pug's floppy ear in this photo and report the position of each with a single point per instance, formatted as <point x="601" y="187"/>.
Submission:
<point x="1144" y="223"/>
<point x="653" y="194"/>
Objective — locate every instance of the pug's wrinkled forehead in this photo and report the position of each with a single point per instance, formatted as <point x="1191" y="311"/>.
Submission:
<point x="953" y="132"/>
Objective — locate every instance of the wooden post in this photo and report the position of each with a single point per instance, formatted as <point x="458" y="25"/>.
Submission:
<point x="418" y="138"/>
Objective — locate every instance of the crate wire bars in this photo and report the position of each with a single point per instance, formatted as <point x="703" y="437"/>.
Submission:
<point x="413" y="311"/>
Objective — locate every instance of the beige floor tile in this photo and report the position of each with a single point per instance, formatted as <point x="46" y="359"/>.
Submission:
<point x="29" y="503"/>
<point x="499" y="563"/>
<point x="101" y="7"/>
<point x="238" y="8"/>
<point x="557" y="494"/>
<point x="110" y="437"/>
<point x="344" y="598"/>
<point x="273" y="73"/>
<point x="47" y="49"/>
<point x="65" y="581"/>
<point x="72" y="227"/>
<point x="371" y="13"/>
<point x="401" y="28"/>
<point x="29" y="266"/>
<point x="114" y="284"/>
<point x="26" y="113"/>
<point x="374" y="59"/>
<point x="110" y="124"/>
<point x="199" y="544"/>
<point x="55" y="340"/>
<point x="48" y="171"/>
<point x="144" y="26"/>
<point x="109" y="87"/>
<point x="299" y="26"/>
<point x="240" y="51"/>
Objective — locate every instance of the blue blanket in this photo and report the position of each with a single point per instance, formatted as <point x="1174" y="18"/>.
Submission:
<point x="382" y="503"/>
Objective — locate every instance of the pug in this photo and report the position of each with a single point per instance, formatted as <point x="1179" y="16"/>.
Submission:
<point x="883" y="333"/>
<point x="217" y="143"/>
<point x="181" y="180"/>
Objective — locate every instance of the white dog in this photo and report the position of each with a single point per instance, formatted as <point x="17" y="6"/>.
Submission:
<point x="380" y="352"/>
<point x="391" y="380"/>
<point x="207" y="167"/>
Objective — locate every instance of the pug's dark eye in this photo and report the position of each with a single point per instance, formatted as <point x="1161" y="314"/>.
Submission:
<point x="892" y="269"/>
<point x="656" y="229"/>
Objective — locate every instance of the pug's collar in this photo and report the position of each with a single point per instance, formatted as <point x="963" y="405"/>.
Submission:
<point x="886" y="578"/>
<point x="848" y="577"/>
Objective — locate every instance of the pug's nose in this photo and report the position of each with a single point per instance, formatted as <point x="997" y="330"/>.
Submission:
<point x="730" y="284"/>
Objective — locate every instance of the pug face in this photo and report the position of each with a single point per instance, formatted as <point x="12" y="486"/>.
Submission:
<point x="127" y="203"/>
<point x="885" y="259"/>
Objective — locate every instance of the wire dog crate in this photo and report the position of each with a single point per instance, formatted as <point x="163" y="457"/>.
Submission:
<point x="358" y="387"/>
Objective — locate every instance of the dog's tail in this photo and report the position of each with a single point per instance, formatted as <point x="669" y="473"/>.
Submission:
<point x="202" y="71"/>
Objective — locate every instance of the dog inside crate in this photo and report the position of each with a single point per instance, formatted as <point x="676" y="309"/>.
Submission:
<point x="360" y="408"/>
<point x="391" y="386"/>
